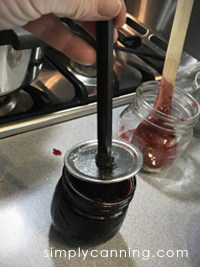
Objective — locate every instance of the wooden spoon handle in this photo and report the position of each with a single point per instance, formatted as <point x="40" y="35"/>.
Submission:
<point x="177" y="38"/>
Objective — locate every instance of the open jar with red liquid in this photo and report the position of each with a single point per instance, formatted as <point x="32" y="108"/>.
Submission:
<point x="89" y="205"/>
<point x="161" y="138"/>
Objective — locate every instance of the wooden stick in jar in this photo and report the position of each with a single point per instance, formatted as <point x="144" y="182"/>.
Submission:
<point x="173" y="55"/>
<point x="177" y="39"/>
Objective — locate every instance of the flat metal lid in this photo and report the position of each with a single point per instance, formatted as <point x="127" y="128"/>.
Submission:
<point x="80" y="162"/>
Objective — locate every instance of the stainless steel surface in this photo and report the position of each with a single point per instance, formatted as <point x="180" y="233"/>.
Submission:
<point x="11" y="104"/>
<point x="89" y="71"/>
<point x="13" y="57"/>
<point x="158" y="15"/>
<point x="34" y="67"/>
<point x="58" y="88"/>
<point x="8" y="103"/>
<point x="37" y="54"/>
<point x="164" y="215"/>
<point x="13" y="68"/>
<point x="29" y="124"/>
<point x="127" y="75"/>
<point x="18" y="68"/>
<point x="80" y="161"/>
<point x="60" y="91"/>
<point x="87" y="76"/>
<point x="153" y="39"/>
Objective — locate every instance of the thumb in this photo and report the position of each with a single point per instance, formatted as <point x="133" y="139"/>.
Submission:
<point x="90" y="10"/>
<point x="18" y="13"/>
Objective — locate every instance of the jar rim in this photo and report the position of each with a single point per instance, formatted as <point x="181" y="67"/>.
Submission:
<point x="161" y="115"/>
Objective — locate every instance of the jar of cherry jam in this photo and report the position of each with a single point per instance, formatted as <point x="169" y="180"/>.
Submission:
<point x="89" y="205"/>
<point x="162" y="138"/>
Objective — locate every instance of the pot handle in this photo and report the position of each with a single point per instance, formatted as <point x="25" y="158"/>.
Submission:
<point x="20" y="39"/>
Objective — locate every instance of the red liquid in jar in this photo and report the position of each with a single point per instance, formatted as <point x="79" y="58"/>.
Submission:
<point x="159" y="149"/>
<point x="158" y="146"/>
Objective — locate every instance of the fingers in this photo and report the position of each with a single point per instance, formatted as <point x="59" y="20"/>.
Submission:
<point x="50" y="29"/>
<point x="19" y="12"/>
<point x="90" y="10"/>
<point x="45" y="25"/>
<point x="90" y="27"/>
<point x="121" y="18"/>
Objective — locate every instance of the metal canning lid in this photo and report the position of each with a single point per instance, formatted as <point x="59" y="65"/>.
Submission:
<point x="80" y="162"/>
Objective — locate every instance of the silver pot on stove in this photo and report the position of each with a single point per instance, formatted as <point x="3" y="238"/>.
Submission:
<point x="21" y="56"/>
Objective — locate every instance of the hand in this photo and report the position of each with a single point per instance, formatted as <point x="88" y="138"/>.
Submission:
<point x="39" y="17"/>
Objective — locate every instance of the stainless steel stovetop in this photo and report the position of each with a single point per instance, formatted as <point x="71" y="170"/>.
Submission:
<point x="65" y="90"/>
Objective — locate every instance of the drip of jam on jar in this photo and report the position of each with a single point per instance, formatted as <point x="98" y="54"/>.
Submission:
<point x="158" y="146"/>
<point x="126" y="135"/>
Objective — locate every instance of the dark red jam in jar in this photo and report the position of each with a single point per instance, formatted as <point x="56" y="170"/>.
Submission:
<point x="87" y="213"/>
<point x="88" y="210"/>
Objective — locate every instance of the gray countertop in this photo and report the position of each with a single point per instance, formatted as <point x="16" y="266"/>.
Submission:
<point x="162" y="224"/>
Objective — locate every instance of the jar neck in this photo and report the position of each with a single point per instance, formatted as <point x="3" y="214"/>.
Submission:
<point x="87" y="204"/>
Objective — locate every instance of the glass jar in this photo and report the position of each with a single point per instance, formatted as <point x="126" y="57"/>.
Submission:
<point x="89" y="213"/>
<point x="161" y="138"/>
<point x="87" y="208"/>
<point x="196" y="95"/>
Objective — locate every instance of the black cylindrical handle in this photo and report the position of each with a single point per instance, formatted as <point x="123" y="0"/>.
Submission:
<point x="104" y="30"/>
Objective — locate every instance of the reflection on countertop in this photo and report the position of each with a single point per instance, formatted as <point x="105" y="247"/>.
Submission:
<point x="164" y="214"/>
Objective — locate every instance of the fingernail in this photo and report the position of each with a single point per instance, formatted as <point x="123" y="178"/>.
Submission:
<point x="110" y="8"/>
